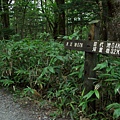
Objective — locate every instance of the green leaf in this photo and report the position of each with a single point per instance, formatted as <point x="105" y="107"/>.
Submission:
<point x="51" y="69"/>
<point x="7" y="82"/>
<point x="73" y="73"/>
<point x="97" y="94"/>
<point x="116" y="113"/>
<point x="101" y="66"/>
<point x="71" y="104"/>
<point x="113" y="105"/>
<point x="45" y="70"/>
<point x="83" y="91"/>
<point x="27" y="90"/>
<point x="111" y="80"/>
<point x="88" y="95"/>
<point x="66" y="37"/>
<point x="60" y="58"/>
<point x="81" y="71"/>
<point x="104" y="75"/>
<point x="117" y="88"/>
<point x="116" y="107"/>
<point x="83" y="105"/>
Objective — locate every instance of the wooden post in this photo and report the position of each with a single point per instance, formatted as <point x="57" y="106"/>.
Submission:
<point x="89" y="65"/>
<point x="92" y="48"/>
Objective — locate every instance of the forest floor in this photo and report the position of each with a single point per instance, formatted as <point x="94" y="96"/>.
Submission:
<point x="22" y="109"/>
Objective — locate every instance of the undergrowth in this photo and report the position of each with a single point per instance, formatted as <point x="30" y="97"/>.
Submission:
<point x="45" y="70"/>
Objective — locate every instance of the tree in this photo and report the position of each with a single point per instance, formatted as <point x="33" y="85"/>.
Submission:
<point x="60" y="20"/>
<point x="114" y="20"/>
<point x="4" y="9"/>
<point x="110" y="20"/>
<point x="26" y="19"/>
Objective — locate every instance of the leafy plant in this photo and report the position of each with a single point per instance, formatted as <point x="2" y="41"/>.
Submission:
<point x="6" y="82"/>
<point x="108" y="78"/>
<point x="28" y="91"/>
<point x="85" y="99"/>
<point x="115" y="107"/>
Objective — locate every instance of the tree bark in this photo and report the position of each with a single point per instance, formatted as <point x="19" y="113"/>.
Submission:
<point x="5" y="18"/>
<point x="110" y="25"/>
<point x="114" y="22"/>
<point x="1" y="22"/>
<point x="60" y="20"/>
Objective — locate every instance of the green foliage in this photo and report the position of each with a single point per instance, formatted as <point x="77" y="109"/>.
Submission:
<point x="116" y="108"/>
<point x="108" y="72"/>
<point x="6" y="82"/>
<point x="30" y="18"/>
<point x="23" y="60"/>
<point x="82" y="11"/>
<point x="85" y="99"/>
<point x="101" y="66"/>
<point x="109" y="79"/>
<point x="41" y="63"/>
<point x="80" y="33"/>
<point x="43" y="66"/>
<point x="28" y="91"/>
<point x="58" y="76"/>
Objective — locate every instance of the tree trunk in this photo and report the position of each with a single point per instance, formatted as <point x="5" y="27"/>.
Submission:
<point x="60" y="20"/>
<point x="5" y="19"/>
<point x="1" y="34"/>
<point x="110" y="20"/>
<point x="114" y="22"/>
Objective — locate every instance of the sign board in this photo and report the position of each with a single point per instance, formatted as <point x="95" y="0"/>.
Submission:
<point x="103" y="47"/>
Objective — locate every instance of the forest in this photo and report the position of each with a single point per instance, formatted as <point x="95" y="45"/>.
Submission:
<point x="35" y="63"/>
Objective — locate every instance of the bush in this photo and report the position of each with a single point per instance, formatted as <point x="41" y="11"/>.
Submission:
<point x="44" y="66"/>
<point x="46" y="69"/>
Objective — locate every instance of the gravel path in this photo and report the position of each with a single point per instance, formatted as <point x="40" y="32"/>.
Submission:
<point x="24" y="109"/>
<point x="10" y="110"/>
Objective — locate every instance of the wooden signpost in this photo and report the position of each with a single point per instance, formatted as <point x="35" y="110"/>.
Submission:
<point x="103" y="47"/>
<point x="92" y="48"/>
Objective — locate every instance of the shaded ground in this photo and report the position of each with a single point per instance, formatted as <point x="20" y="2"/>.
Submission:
<point x="11" y="110"/>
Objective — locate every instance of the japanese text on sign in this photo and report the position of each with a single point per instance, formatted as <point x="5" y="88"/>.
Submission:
<point x="103" y="47"/>
<point x="108" y="48"/>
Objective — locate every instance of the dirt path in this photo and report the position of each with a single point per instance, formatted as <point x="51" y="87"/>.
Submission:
<point x="22" y="110"/>
<point x="10" y="110"/>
